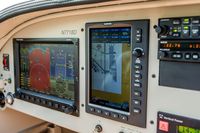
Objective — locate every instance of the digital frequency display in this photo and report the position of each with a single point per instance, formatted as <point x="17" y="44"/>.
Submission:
<point x="184" y="129"/>
<point x="181" y="45"/>
<point x="110" y="64"/>
<point x="47" y="68"/>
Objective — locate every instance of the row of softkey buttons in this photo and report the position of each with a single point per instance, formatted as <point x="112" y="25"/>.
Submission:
<point x="44" y="102"/>
<point x="187" y="56"/>
<point x="137" y="84"/>
<point x="109" y="114"/>
<point x="186" y="31"/>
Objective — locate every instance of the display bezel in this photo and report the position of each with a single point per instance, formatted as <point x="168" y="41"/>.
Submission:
<point x="137" y="112"/>
<point x="49" y="97"/>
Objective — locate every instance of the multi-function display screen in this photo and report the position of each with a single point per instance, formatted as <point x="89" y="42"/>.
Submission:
<point x="47" y="68"/>
<point x="110" y="67"/>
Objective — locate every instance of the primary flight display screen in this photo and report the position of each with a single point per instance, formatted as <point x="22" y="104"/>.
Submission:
<point x="47" y="68"/>
<point x="110" y="67"/>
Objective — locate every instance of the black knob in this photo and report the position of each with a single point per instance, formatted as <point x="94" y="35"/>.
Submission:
<point x="2" y="99"/>
<point x="69" y="110"/>
<point x="161" y="30"/>
<point x="162" y="54"/>
<point x="98" y="128"/>
<point x="137" y="52"/>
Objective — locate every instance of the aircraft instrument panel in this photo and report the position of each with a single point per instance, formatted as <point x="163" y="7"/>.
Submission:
<point x="115" y="66"/>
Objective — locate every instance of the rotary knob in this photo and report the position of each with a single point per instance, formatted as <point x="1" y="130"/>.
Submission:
<point x="2" y="100"/>
<point x="138" y="52"/>
<point x="162" y="54"/>
<point x="69" y="110"/>
<point x="98" y="128"/>
<point x="161" y="30"/>
<point x="9" y="98"/>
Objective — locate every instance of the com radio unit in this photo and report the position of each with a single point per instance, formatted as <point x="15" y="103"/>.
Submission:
<point x="117" y="70"/>
<point x="179" y="52"/>
<point x="46" y="73"/>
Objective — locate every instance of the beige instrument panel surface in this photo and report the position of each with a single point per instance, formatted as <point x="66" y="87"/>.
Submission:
<point x="62" y="25"/>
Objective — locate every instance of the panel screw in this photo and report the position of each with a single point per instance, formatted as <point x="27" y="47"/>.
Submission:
<point x="153" y="76"/>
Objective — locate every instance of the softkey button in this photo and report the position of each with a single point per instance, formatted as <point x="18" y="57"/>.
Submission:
<point x="43" y="102"/>
<point x="92" y="109"/>
<point x="186" y="21"/>
<point x="138" y="66"/>
<point x="136" y="110"/>
<point x="123" y="117"/>
<point x="139" y="31"/>
<point x="137" y="93"/>
<point x="114" y="115"/>
<point x="106" y="113"/>
<point x="50" y="104"/>
<point x="27" y="97"/>
<point x="138" y="76"/>
<point x="176" y="22"/>
<point x="98" y="111"/>
<point x="195" y="21"/>
<point x="56" y="105"/>
<point x="177" y="55"/>
<point x="195" y="56"/>
<point x="187" y="56"/>
<point x="137" y="102"/>
<point x="186" y="31"/>
<point x="37" y="100"/>
<point x="137" y="84"/>
<point x="195" y="31"/>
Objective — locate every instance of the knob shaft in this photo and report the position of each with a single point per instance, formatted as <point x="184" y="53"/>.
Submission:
<point x="138" y="52"/>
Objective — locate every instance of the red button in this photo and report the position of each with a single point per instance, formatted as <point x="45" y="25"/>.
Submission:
<point x="163" y="126"/>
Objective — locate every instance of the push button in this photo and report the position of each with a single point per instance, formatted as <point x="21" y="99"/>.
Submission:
<point x="186" y="31"/>
<point x="137" y="102"/>
<point x="123" y="117"/>
<point x="92" y="109"/>
<point x="114" y="115"/>
<point x="195" y="21"/>
<point x="43" y="102"/>
<point x="187" y="56"/>
<point x="176" y="22"/>
<point x="177" y="55"/>
<point x="137" y="93"/>
<point x="163" y="126"/>
<point x="56" y="105"/>
<point x="106" y="113"/>
<point x="138" y="76"/>
<point x="137" y="111"/>
<point x="195" y="31"/>
<point x="98" y="111"/>
<point x="186" y="21"/>
<point x="50" y="104"/>
<point x="139" y="85"/>
<point x="195" y="56"/>
<point x="138" y="66"/>
<point x="176" y="34"/>
<point x="139" y="31"/>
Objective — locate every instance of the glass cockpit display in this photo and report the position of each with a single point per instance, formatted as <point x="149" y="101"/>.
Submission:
<point x="47" y="68"/>
<point x="110" y="67"/>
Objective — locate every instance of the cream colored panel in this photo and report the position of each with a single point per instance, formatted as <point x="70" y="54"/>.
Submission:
<point x="160" y="98"/>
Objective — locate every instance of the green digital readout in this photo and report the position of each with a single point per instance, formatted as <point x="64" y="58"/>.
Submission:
<point x="184" y="129"/>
